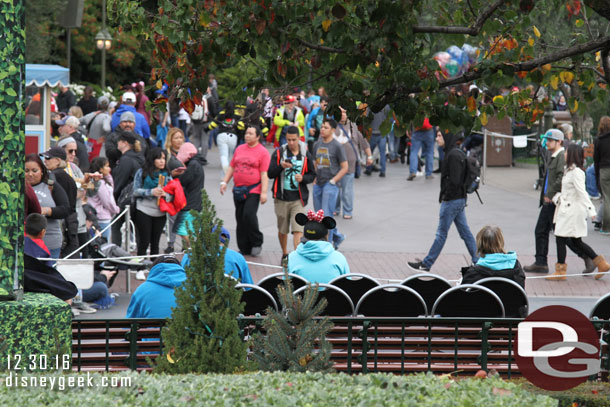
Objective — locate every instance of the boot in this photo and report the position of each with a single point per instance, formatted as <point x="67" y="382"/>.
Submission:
<point x="602" y="266"/>
<point x="560" y="272"/>
<point x="589" y="266"/>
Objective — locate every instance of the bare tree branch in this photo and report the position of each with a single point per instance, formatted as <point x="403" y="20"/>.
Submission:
<point x="472" y="30"/>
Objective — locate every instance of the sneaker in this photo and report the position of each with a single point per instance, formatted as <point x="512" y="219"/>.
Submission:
<point x="411" y="177"/>
<point x="169" y="249"/>
<point x="604" y="232"/>
<point x="597" y="226"/>
<point x="536" y="268"/>
<point x="382" y="174"/>
<point x="338" y="238"/>
<point x="256" y="251"/>
<point x="75" y="313"/>
<point x="83" y="307"/>
<point x="140" y="275"/>
<point x="429" y="177"/>
<point x="367" y="172"/>
<point x="418" y="266"/>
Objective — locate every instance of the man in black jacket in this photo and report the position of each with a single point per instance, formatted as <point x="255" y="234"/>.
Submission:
<point x="131" y="161"/>
<point x="453" y="201"/>
<point x="291" y="168"/>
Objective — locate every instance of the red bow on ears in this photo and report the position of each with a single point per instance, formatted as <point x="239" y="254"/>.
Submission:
<point x="315" y="216"/>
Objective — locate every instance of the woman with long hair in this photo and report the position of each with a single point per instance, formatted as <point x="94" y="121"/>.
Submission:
<point x="102" y="200"/>
<point x="174" y="140"/>
<point x="53" y="201"/>
<point x="573" y="206"/>
<point x="148" y="186"/>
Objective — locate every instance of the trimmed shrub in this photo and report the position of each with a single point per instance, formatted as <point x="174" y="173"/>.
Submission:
<point x="283" y="389"/>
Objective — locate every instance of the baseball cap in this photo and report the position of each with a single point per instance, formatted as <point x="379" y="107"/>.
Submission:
<point x="554" y="134"/>
<point x="128" y="117"/>
<point x="290" y="99"/>
<point x="54" y="152"/>
<point x="129" y="97"/>
<point x="68" y="120"/>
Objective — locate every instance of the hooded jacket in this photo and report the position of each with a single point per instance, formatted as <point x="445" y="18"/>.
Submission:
<point x="155" y="298"/>
<point x="453" y="171"/>
<point x="192" y="182"/>
<point x="317" y="262"/>
<point x="601" y="154"/>
<point x="276" y="172"/>
<point x="495" y="265"/>
<point x="178" y="202"/>
<point x="125" y="170"/>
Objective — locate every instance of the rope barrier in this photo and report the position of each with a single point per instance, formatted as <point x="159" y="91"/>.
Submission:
<point x="109" y="258"/>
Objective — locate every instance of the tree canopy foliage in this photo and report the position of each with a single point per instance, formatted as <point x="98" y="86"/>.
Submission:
<point x="387" y="48"/>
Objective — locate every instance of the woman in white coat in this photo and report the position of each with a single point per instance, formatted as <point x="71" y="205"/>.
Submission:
<point x="573" y="207"/>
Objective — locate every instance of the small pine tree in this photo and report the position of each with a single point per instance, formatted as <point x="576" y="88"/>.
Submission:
<point x="292" y="332"/>
<point x="203" y="335"/>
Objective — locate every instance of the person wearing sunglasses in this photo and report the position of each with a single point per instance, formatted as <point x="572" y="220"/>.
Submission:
<point x="69" y="127"/>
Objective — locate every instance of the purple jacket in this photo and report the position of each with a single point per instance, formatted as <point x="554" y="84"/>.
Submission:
<point x="103" y="201"/>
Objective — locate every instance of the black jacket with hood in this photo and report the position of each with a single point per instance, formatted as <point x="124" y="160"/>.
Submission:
<point x="192" y="182"/>
<point x="125" y="170"/>
<point x="453" y="169"/>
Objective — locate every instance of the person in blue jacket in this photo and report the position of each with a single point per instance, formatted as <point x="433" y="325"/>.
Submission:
<point x="235" y="263"/>
<point x="128" y="103"/>
<point x="155" y="298"/>
<point x="315" y="259"/>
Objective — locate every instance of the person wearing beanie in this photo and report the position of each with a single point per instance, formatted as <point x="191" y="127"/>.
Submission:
<point x="192" y="180"/>
<point x="69" y="129"/>
<point x="315" y="259"/>
<point x="98" y="127"/>
<point x="128" y="103"/>
<point x="127" y="124"/>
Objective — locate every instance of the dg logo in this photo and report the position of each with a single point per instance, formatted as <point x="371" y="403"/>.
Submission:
<point x="557" y="348"/>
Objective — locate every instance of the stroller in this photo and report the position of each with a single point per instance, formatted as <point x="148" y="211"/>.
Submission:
<point x="99" y="248"/>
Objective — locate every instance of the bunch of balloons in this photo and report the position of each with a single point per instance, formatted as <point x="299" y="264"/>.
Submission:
<point x="455" y="61"/>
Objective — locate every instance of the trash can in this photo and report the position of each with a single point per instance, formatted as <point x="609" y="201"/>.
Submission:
<point x="499" y="149"/>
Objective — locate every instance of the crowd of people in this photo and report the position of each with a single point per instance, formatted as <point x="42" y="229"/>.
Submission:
<point x="106" y="157"/>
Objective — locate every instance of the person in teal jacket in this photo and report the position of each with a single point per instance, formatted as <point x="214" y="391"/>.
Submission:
<point x="315" y="259"/>
<point x="155" y="298"/>
<point x="494" y="261"/>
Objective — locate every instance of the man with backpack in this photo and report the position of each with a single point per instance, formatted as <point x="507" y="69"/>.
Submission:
<point x="456" y="179"/>
<point x="291" y="168"/>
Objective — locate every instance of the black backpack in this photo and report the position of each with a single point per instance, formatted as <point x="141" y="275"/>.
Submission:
<point x="472" y="176"/>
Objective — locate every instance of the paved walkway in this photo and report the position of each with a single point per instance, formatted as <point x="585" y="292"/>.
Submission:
<point x="395" y="222"/>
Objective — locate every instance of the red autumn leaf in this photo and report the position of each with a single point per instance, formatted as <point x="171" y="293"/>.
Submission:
<point x="188" y="105"/>
<point x="160" y="100"/>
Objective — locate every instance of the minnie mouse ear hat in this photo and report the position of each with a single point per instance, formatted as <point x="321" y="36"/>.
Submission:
<point x="315" y="224"/>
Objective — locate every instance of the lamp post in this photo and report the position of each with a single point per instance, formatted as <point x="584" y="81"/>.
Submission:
<point x="103" y="41"/>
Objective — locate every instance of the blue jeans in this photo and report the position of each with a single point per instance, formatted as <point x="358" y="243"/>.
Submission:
<point x="423" y="140"/>
<point x="98" y="290"/>
<point x="325" y="197"/>
<point x="377" y="140"/>
<point x="212" y="137"/>
<point x="106" y="234"/>
<point x="451" y="212"/>
<point x="346" y="195"/>
<point x="591" y="182"/>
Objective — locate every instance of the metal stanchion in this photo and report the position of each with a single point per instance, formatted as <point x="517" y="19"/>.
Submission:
<point x="126" y="245"/>
<point x="484" y="169"/>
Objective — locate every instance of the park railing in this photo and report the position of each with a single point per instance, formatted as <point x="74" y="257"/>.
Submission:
<point x="360" y="344"/>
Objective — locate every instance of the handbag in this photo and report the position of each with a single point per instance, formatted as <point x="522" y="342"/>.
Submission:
<point x="358" y="169"/>
<point x="241" y="193"/>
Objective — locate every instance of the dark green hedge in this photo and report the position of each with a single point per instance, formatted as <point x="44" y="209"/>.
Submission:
<point x="284" y="389"/>
<point x="12" y="142"/>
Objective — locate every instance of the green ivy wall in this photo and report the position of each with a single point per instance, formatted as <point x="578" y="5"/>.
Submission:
<point x="12" y="145"/>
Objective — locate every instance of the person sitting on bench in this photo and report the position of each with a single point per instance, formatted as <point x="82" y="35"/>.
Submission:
<point x="493" y="260"/>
